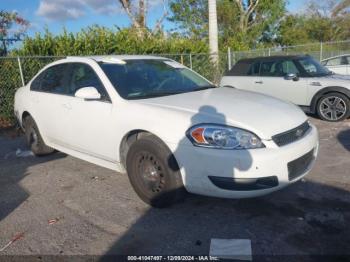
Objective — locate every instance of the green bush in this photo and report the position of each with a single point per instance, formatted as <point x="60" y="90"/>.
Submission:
<point x="96" y="40"/>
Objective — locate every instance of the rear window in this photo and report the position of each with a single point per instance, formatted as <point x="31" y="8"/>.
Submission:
<point x="241" y="68"/>
<point x="52" y="80"/>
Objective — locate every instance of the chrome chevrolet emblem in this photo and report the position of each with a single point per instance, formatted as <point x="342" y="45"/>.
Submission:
<point x="299" y="133"/>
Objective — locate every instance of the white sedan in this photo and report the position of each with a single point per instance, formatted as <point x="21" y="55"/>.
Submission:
<point x="338" y="64"/>
<point x="170" y="129"/>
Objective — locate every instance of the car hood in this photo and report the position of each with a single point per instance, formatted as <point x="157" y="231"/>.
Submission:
<point x="334" y="80"/>
<point x="263" y="115"/>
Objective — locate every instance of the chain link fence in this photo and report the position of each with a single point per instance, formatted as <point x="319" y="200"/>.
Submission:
<point x="14" y="73"/>
<point x="17" y="71"/>
<point x="319" y="51"/>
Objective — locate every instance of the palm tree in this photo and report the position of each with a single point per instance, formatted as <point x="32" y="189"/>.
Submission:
<point x="213" y="32"/>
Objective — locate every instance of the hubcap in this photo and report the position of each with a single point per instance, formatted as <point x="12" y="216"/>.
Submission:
<point x="151" y="172"/>
<point x="333" y="108"/>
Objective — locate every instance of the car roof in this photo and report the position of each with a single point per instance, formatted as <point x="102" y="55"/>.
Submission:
<point x="265" y="58"/>
<point x="243" y="66"/>
<point x="101" y="58"/>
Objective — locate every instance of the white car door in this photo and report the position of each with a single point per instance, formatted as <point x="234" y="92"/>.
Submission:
<point x="245" y="81"/>
<point x="91" y="124"/>
<point x="273" y="81"/>
<point x="49" y="102"/>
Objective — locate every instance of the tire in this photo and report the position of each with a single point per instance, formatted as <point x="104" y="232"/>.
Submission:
<point x="154" y="173"/>
<point x="333" y="107"/>
<point x="34" y="139"/>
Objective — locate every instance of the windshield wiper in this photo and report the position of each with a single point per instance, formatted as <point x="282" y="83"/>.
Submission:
<point x="156" y="94"/>
<point x="204" y="87"/>
<point x="167" y="93"/>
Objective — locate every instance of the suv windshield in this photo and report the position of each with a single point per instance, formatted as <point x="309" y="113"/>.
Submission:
<point x="312" y="67"/>
<point x="146" y="78"/>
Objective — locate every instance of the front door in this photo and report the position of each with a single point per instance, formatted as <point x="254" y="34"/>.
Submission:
<point x="92" y="126"/>
<point x="273" y="81"/>
<point x="49" y="97"/>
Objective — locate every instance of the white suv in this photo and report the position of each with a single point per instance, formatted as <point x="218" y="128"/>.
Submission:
<point x="298" y="79"/>
<point x="167" y="126"/>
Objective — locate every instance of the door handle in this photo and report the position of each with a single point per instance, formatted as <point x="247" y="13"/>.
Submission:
<point x="258" y="82"/>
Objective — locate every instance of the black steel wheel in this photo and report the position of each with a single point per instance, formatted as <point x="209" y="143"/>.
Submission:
<point x="154" y="173"/>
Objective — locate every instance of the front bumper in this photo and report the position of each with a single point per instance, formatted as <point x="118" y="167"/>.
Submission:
<point x="248" y="173"/>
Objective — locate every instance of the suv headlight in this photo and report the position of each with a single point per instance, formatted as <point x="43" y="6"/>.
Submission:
<point x="223" y="137"/>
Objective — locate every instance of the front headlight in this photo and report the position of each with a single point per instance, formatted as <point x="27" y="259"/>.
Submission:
<point x="223" y="137"/>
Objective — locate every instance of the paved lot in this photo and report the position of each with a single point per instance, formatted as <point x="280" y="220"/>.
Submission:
<point x="98" y="213"/>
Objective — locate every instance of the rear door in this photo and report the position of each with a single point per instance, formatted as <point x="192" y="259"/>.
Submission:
<point x="273" y="81"/>
<point x="49" y="98"/>
<point x="244" y="77"/>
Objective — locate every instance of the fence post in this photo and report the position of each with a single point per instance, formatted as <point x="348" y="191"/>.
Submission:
<point x="191" y="61"/>
<point x="269" y="51"/>
<point x="20" y="70"/>
<point x="321" y="51"/>
<point x="229" y="58"/>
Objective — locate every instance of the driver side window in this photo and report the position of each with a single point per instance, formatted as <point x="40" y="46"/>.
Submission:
<point x="279" y="68"/>
<point x="82" y="75"/>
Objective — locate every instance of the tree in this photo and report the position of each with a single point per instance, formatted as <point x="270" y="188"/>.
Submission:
<point x="327" y="20"/>
<point x="137" y="14"/>
<point x="341" y="7"/>
<point x="241" y="23"/>
<point x="213" y="31"/>
<point x="292" y="31"/>
<point x="191" y="16"/>
<point x="12" y="28"/>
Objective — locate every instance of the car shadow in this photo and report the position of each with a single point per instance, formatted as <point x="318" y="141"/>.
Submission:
<point x="344" y="138"/>
<point x="298" y="223"/>
<point x="226" y="165"/>
<point x="13" y="169"/>
<point x="304" y="222"/>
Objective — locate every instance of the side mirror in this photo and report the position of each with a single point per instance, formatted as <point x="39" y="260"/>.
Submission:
<point x="88" y="93"/>
<point x="291" y="76"/>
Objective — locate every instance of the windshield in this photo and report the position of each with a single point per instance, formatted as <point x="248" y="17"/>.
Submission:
<point x="146" y="78"/>
<point x="312" y="67"/>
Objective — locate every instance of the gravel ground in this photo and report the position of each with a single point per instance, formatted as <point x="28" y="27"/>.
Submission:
<point x="96" y="212"/>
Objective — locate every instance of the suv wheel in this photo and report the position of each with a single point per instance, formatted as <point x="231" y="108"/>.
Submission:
<point x="333" y="107"/>
<point x="153" y="172"/>
<point x="34" y="139"/>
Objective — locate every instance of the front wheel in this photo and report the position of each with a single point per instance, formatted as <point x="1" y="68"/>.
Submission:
<point x="333" y="107"/>
<point x="154" y="173"/>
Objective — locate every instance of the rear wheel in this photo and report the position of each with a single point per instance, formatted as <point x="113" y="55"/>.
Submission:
<point x="333" y="107"/>
<point x="34" y="139"/>
<point x="153" y="172"/>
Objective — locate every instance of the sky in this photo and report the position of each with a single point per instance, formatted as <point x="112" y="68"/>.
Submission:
<point x="77" y="14"/>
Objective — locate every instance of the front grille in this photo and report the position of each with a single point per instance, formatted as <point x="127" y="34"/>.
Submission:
<point x="298" y="166"/>
<point x="292" y="135"/>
